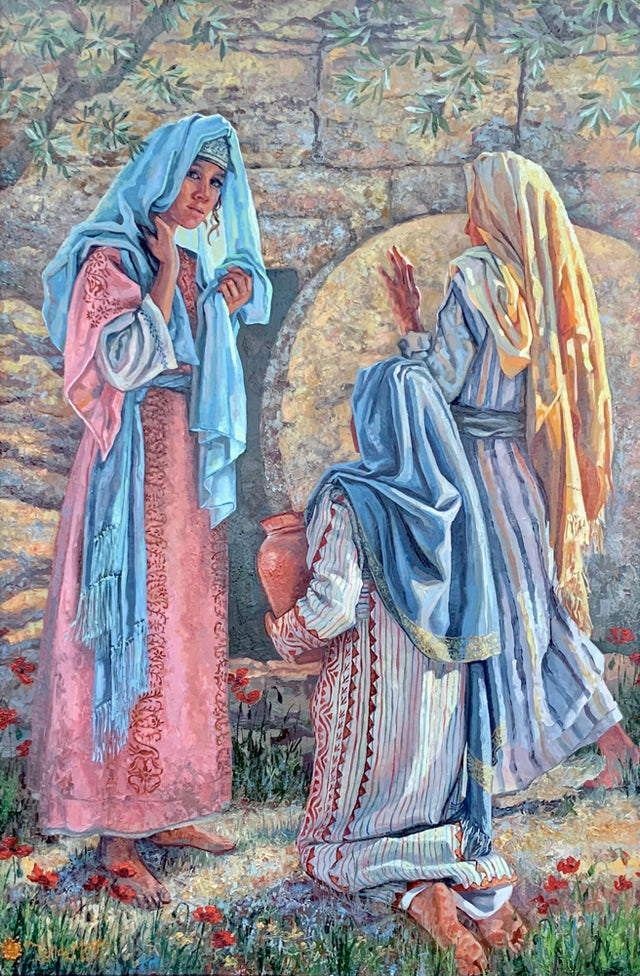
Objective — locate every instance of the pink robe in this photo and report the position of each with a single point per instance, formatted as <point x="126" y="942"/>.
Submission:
<point x="176" y="765"/>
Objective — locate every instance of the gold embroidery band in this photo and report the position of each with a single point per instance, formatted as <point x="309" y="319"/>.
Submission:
<point x="480" y="773"/>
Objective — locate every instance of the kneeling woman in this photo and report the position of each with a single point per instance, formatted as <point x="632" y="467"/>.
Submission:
<point x="405" y="714"/>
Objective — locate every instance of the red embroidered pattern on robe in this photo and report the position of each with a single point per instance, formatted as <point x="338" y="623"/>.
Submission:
<point x="101" y="302"/>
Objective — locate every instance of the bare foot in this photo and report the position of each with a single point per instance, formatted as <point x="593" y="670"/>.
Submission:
<point x="504" y="928"/>
<point x="435" y="910"/>
<point x="618" y="751"/>
<point x="191" y="837"/>
<point x="119" y="856"/>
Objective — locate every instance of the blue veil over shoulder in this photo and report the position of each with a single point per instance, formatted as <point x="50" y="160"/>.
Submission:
<point x="149" y="184"/>
<point x="421" y="530"/>
<point x="112" y="610"/>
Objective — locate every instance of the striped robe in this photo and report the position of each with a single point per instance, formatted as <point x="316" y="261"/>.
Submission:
<point x="390" y="734"/>
<point x="555" y="697"/>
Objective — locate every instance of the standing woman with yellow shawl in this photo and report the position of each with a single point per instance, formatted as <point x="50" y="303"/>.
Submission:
<point x="517" y="350"/>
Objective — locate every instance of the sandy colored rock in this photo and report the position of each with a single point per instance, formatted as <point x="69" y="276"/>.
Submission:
<point x="27" y="532"/>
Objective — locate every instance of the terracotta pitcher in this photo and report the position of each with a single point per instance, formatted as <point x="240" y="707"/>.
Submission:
<point x="282" y="560"/>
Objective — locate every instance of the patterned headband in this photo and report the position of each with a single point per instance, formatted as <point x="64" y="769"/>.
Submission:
<point x="215" y="151"/>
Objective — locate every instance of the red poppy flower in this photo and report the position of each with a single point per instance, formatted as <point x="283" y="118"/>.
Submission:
<point x="10" y="842"/>
<point x="208" y="913"/>
<point x="223" y="938"/>
<point x="123" y="892"/>
<point x="620" y="635"/>
<point x="635" y="658"/>
<point x="239" y="683"/>
<point x="253" y="696"/>
<point x="47" y="879"/>
<point x="8" y="717"/>
<point x="5" y="853"/>
<point x="624" y="857"/>
<point x="23" y="669"/>
<point x="124" y="870"/>
<point x="542" y="904"/>
<point x="622" y="884"/>
<point x="240" y="695"/>
<point x="22" y="749"/>
<point x="555" y="884"/>
<point x="23" y="850"/>
<point x="95" y="882"/>
<point x="568" y="866"/>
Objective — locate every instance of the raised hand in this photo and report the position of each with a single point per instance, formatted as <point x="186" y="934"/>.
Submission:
<point x="404" y="294"/>
<point x="235" y="287"/>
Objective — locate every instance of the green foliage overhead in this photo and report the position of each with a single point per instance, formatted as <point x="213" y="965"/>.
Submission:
<point x="448" y="45"/>
<point x="62" y="61"/>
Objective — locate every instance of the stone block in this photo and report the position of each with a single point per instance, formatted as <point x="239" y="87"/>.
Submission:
<point x="420" y="190"/>
<point x="359" y="200"/>
<point x="304" y="244"/>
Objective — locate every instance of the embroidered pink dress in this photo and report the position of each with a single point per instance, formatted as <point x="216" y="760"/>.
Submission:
<point x="176" y="765"/>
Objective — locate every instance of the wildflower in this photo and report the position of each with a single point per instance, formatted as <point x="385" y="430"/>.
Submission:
<point x="622" y="884"/>
<point x="181" y="939"/>
<point x="541" y="904"/>
<point x="238" y="679"/>
<point x="10" y="842"/>
<point x="635" y="658"/>
<point x="123" y="892"/>
<point x="23" y="670"/>
<point x="620" y="635"/>
<point x="223" y="938"/>
<point x="23" y="850"/>
<point x="8" y="717"/>
<point x="47" y="879"/>
<point x="208" y="913"/>
<point x="568" y="865"/>
<point x="555" y="884"/>
<point x="624" y="857"/>
<point x="95" y="882"/>
<point x="11" y="949"/>
<point x="240" y="695"/>
<point x="124" y="870"/>
<point x="253" y="697"/>
<point x="22" y="749"/>
<point x="5" y="853"/>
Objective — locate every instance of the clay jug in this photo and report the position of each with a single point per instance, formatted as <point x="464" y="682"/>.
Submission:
<point x="282" y="560"/>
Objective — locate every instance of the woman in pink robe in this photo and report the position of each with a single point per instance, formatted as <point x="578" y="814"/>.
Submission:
<point x="173" y="765"/>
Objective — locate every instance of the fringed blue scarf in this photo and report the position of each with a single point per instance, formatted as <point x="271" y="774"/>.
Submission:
<point x="112" y="610"/>
<point x="423" y="534"/>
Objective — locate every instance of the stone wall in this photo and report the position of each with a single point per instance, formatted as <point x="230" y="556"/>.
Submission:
<point x="326" y="178"/>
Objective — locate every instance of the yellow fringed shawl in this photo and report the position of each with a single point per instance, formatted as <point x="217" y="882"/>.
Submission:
<point x="533" y="288"/>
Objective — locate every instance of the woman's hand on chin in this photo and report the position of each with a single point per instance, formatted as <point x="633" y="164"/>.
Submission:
<point x="163" y="245"/>
<point x="236" y="287"/>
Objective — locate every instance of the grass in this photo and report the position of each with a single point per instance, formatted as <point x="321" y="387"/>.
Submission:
<point x="268" y="765"/>
<point x="290" y="927"/>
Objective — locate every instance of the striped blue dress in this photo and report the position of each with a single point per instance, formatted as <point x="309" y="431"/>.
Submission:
<point x="555" y="696"/>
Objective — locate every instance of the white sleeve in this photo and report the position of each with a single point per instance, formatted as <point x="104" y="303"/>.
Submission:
<point x="329" y="606"/>
<point x="450" y="352"/>
<point x="135" y="347"/>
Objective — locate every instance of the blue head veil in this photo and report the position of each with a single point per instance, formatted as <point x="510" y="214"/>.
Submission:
<point x="149" y="184"/>
<point x="421" y="529"/>
<point x="112" y="611"/>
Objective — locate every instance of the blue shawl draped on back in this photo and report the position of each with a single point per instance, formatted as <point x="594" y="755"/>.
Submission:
<point x="112" y="611"/>
<point x="423" y="535"/>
